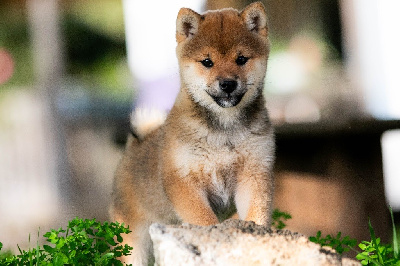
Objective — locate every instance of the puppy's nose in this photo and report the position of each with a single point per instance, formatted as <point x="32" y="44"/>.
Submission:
<point x="228" y="85"/>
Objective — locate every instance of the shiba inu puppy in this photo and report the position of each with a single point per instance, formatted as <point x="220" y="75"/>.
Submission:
<point x="216" y="146"/>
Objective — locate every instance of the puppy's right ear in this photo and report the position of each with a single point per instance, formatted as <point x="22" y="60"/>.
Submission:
<point x="255" y="17"/>
<point x="187" y="24"/>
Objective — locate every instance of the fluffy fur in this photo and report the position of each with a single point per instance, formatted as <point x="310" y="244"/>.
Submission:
<point x="216" y="146"/>
<point x="144" y="121"/>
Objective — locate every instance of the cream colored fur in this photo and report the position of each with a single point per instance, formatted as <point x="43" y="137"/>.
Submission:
<point x="215" y="147"/>
<point x="146" y="120"/>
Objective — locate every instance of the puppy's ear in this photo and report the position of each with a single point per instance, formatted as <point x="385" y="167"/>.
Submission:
<point x="255" y="18"/>
<point x="187" y="24"/>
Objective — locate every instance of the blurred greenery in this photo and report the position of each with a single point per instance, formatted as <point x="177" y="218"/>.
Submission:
<point x="103" y="16"/>
<point x="94" y="43"/>
<point x="14" y="37"/>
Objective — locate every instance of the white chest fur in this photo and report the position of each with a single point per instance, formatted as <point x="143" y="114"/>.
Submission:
<point x="213" y="158"/>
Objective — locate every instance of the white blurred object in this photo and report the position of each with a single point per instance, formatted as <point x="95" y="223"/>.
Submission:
<point x="286" y="73"/>
<point x="372" y="41"/>
<point x="391" y="167"/>
<point x="29" y="196"/>
<point x="150" y="38"/>
<point x="293" y="70"/>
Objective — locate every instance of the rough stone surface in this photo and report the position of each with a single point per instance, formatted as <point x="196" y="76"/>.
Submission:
<point x="237" y="242"/>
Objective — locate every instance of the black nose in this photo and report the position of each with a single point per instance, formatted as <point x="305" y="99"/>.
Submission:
<point x="228" y="85"/>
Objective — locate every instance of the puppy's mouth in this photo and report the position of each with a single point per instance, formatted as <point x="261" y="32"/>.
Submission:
<point x="230" y="100"/>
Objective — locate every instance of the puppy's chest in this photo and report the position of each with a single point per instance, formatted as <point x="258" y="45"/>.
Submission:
<point x="213" y="168"/>
<point x="214" y="162"/>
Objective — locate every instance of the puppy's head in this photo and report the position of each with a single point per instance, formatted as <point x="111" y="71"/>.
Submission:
<point x="223" y="55"/>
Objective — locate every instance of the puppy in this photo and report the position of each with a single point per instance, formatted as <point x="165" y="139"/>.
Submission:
<point x="216" y="146"/>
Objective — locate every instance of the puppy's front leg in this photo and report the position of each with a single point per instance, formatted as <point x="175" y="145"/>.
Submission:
<point x="190" y="201"/>
<point x="253" y="197"/>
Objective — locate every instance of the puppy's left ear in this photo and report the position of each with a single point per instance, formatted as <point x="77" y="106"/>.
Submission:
<point x="187" y="24"/>
<point x="255" y="18"/>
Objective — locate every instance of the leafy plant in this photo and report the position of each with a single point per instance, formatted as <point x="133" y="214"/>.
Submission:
<point x="396" y="244"/>
<point x="279" y="218"/>
<point x="374" y="252"/>
<point x="4" y="254"/>
<point x="336" y="242"/>
<point x="85" y="242"/>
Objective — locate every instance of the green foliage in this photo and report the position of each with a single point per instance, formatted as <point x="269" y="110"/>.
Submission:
<point x="376" y="253"/>
<point x="372" y="252"/>
<point x="85" y="242"/>
<point x="337" y="243"/>
<point x="88" y="242"/>
<point x="279" y="218"/>
<point x="4" y="254"/>
<point x="395" y="242"/>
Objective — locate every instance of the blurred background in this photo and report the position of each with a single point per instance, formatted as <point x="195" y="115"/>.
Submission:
<point x="71" y="72"/>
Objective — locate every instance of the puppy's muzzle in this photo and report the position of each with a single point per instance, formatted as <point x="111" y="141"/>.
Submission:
<point x="228" y="85"/>
<point x="230" y="93"/>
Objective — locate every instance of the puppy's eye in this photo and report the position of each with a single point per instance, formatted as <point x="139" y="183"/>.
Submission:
<point x="241" y="60"/>
<point x="207" y="62"/>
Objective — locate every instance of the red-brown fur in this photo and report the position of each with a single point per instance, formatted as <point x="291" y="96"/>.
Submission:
<point x="206" y="154"/>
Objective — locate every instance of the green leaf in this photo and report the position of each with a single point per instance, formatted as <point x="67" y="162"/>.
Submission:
<point x="362" y="246"/>
<point x="110" y="241"/>
<point x="119" y="238"/>
<point x="48" y="249"/>
<point x="60" y="259"/>
<point x="20" y="251"/>
<point x="60" y="243"/>
<point x="313" y="239"/>
<point x="106" y="257"/>
<point x="360" y="256"/>
<point x="395" y="243"/>
<point x="72" y="254"/>
<point x="278" y="218"/>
